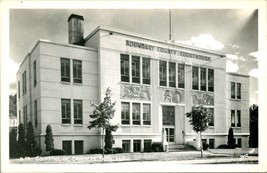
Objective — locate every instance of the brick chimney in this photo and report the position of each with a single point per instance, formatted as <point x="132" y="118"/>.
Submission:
<point x="76" y="30"/>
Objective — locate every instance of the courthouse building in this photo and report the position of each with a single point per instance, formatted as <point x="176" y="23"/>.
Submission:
<point x="153" y="82"/>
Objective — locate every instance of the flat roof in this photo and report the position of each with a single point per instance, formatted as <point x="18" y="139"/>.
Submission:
<point x="131" y="34"/>
<point x="237" y="74"/>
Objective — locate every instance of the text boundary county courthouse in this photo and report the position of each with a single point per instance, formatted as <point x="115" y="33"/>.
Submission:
<point x="154" y="83"/>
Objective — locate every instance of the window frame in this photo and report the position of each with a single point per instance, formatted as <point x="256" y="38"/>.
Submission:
<point x="203" y="82"/>
<point x="125" y="60"/>
<point x="136" y="116"/>
<point x="211" y="124"/>
<point x="238" y="90"/>
<point x="65" y="119"/>
<point x="146" y="70"/>
<point x="181" y="75"/>
<point x="136" y="69"/>
<point x="124" y="120"/>
<point x="78" y="118"/>
<point x="79" y="150"/>
<point x="146" y="114"/>
<point x="34" y="74"/>
<point x="68" y="142"/>
<point x="65" y="72"/>
<point x="210" y="79"/>
<point x="137" y="145"/>
<point x="35" y="113"/>
<point x="128" y="143"/>
<point x="195" y="76"/>
<point x="233" y="95"/>
<point x="77" y="70"/>
<point x="172" y="74"/>
<point x="162" y="73"/>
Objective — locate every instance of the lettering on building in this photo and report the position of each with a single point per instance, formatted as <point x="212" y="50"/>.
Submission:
<point x="135" y="92"/>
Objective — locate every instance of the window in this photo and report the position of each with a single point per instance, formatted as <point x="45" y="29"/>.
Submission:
<point x="78" y="111"/>
<point x="146" y="114"/>
<point x="34" y="74"/>
<point x="126" y="145"/>
<point x="210" y="80"/>
<point x="136" y="145"/>
<point x="239" y="142"/>
<point x="172" y="74"/>
<point x="181" y="75"/>
<point x="24" y="83"/>
<point x="211" y="110"/>
<point x="125" y="112"/>
<point x="232" y="118"/>
<point x="238" y="122"/>
<point x="211" y="143"/>
<point x="162" y="73"/>
<point x="65" y="70"/>
<point x="195" y="78"/>
<point x="20" y="120"/>
<point x="136" y="114"/>
<point x="135" y="69"/>
<point x="232" y="90"/>
<point x="25" y="115"/>
<point x="168" y="115"/>
<point x="35" y="113"/>
<point x="77" y="71"/>
<point x="125" y="68"/>
<point x="203" y="79"/>
<point x="66" y="146"/>
<point x="65" y="111"/>
<point x="147" y="145"/>
<point x="204" y="141"/>
<point x="146" y="70"/>
<point x="19" y="89"/>
<point x="78" y="145"/>
<point x="238" y="93"/>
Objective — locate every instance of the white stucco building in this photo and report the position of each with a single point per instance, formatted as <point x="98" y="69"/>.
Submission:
<point x="154" y="83"/>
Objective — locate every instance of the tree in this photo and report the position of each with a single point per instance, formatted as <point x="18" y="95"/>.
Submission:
<point x="21" y="141"/>
<point x="254" y="136"/>
<point x="231" y="140"/>
<point x="12" y="143"/>
<point x="199" y="118"/>
<point x="49" y="141"/>
<point x="102" y="115"/>
<point x="29" y="139"/>
<point x="13" y="105"/>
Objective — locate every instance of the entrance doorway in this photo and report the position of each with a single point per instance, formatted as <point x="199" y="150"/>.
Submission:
<point x="168" y="122"/>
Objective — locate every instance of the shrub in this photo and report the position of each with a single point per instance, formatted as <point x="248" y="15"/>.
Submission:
<point x="224" y="146"/>
<point x="49" y="141"/>
<point x="205" y="146"/>
<point x="96" y="151"/>
<point x="114" y="150"/>
<point x="57" y="152"/>
<point x="231" y="140"/>
<point x="156" y="147"/>
<point x="12" y="143"/>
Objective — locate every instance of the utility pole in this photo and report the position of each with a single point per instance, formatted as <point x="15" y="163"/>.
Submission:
<point x="170" y="22"/>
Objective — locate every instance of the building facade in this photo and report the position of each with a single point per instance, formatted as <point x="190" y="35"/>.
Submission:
<point x="154" y="83"/>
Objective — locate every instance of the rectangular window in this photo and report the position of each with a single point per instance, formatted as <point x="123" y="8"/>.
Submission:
<point x="146" y="114"/>
<point x="78" y="111"/>
<point x="65" y="111"/>
<point x="211" y="143"/>
<point x="20" y="120"/>
<point x="232" y="90"/>
<point x="238" y="117"/>
<point x="65" y="69"/>
<point x="126" y="145"/>
<point x="203" y="79"/>
<point x="195" y="79"/>
<point x="211" y="110"/>
<point x="24" y="83"/>
<point x="181" y="75"/>
<point x="147" y="145"/>
<point x="136" y="145"/>
<point x="78" y="145"/>
<point x="239" y="142"/>
<point x="232" y="118"/>
<point x="35" y="113"/>
<point x="210" y="80"/>
<point x="172" y="74"/>
<point x="125" y="112"/>
<point x="162" y="73"/>
<point x="125" y="68"/>
<point x="168" y="115"/>
<point x="136" y="113"/>
<point x="77" y="71"/>
<point x="135" y="69"/>
<point x="34" y="74"/>
<point x="19" y="89"/>
<point x="238" y="92"/>
<point x="25" y="115"/>
<point x="66" y="146"/>
<point x="146" y="70"/>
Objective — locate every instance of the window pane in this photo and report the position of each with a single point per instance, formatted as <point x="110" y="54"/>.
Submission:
<point x="211" y="143"/>
<point x="78" y="145"/>
<point x="35" y="113"/>
<point x="65" y="69"/>
<point x="78" y="112"/>
<point x="238" y="94"/>
<point x="146" y="71"/>
<point x="181" y="75"/>
<point x="239" y="142"/>
<point x="135" y="69"/>
<point x="162" y="73"/>
<point x="195" y="78"/>
<point x="211" y="110"/>
<point x="66" y="146"/>
<point x="125" y="68"/>
<point x="125" y="109"/>
<point x="232" y="90"/>
<point x="172" y="75"/>
<point x="211" y="79"/>
<point x="137" y="145"/>
<point x="203" y="79"/>
<point x="126" y="145"/>
<point x="168" y="115"/>
<point x="34" y="74"/>
<point x="77" y="71"/>
<point x="238" y="124"/>
<point x="65" y="111"/>
<point x="146" y="114"/>
<point x="232" y="118"/>
<point x="147" y="145"/>
<point x="136" y="113"/>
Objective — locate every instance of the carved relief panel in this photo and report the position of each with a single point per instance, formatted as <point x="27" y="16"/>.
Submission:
<point x="172" y="95"/>
<point x="135" y="92"/>
<point x="202" y="98"/>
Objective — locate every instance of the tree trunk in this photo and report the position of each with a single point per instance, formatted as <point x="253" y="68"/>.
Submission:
<point x="201" y="145"/>
<point x="103" y="150"/>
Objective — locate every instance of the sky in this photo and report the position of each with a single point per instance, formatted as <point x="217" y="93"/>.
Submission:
<point x="230" y="31"/>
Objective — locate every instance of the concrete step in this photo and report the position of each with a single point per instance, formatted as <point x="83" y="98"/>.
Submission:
<point x="176" y="147"/>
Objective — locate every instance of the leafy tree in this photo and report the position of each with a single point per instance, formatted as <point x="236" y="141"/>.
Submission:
<point x="49" y="141"/>
<point x="13" y="105"/>
<point x="21" y="141"/>
<point x="199" y="118"/>
<point x="102" y="115"/>
<point x="12" y="143"/>
<point x="254" y="136"/>
<point x="231" y="140"/>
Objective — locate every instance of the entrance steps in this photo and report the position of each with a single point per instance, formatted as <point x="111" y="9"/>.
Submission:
<point x="176" y="147"/>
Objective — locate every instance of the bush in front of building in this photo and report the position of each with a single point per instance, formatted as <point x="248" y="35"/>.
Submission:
<point x="95" y="151"/>
<point x="115" y="150"/>
<point x="49" y="141"/>
<point x="205" y="146"/>
<point x="225" y="146"/>
<point x="156" y="147"/>
<point x="20" y="150"/>
<point x="57" y="152"/>
<point x="12" y="143"/>
<point x="231" y="140"/>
